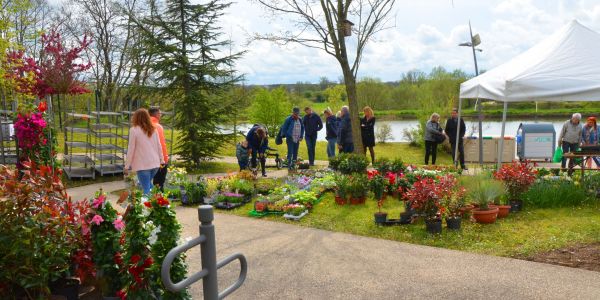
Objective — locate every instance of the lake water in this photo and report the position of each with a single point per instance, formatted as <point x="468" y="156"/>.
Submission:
<point x="490" y="127"/>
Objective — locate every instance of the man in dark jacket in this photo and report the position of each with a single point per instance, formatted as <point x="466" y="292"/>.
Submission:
<point x="331" y="132"/>
<point x="451" y="129"/>
<point x="258" y="143"/>
<point x="344" y="136"/>
<point x="312" y="125"/>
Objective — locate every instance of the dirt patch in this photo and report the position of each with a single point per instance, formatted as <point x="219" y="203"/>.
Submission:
<point x="582" y="256"/>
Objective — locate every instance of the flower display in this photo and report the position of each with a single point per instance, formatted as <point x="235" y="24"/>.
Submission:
<point x="118" y="223"/>
<point x="517" y="178"/>
<point x="97" y="219"/>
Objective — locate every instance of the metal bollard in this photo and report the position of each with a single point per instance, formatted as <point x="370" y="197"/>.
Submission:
<point x="208" y="254"/>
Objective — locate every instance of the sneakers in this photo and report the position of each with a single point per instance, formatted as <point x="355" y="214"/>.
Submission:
<point x="264" y="175"/>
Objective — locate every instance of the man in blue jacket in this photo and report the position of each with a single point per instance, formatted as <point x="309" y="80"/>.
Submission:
<point x="293" y="131"/>
<point x="312" y="125"/>
<point x="258" y="143"/>
<point x="344" y="136"/>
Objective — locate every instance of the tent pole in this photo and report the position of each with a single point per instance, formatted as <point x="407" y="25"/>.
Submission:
<point x="501" y="146"/>
<point x="457" y="131"/>
<point x="480" y="132"/>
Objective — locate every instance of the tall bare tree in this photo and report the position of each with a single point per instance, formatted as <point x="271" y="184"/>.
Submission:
<point x="320" y="24"/>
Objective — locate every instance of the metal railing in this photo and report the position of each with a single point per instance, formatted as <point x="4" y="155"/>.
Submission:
<point x="208" y="253"/>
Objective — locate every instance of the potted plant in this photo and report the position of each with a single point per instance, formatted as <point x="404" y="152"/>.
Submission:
<point x="503" y="206"/>
<point x="425" y="197"/>
<point x="358" y="189"/>
<point x="453" y="201"/>
<point x="484" y="192"/>
<point x="294" y="211"/>
<point x="380" y="217"/>
<point x="378" y="185"/>
<point x="306" y="198"/>
<point x="517" y="178"/>
<point x="341" y="189"/>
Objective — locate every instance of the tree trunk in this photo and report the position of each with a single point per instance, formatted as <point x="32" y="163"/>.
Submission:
<point x="350" y="82"/>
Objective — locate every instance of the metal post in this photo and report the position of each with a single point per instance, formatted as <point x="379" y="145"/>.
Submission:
<point x="501" y="146"/>
<point x="478" y="102"/>
<point x="457" y="132"/>
<point x="208" y="252"/>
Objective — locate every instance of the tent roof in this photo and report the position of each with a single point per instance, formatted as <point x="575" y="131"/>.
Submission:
<point x="563" y="67"/>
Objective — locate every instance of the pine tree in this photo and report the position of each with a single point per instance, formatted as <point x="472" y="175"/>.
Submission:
<point x="189" y="67"/>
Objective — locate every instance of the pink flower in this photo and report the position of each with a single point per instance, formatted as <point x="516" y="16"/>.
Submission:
<point x="98" y="201"/>
<point x="118" y="223"/>
<point x="97" y="219"/>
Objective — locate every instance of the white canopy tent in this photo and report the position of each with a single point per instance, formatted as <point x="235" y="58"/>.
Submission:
<point x="563" y="67"/>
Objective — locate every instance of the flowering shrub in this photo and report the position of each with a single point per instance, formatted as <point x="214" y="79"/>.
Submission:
<point x="32" y="131"/>
<point x="427" y="194"/>
<point x="39" y="234"/>
<point x="517" y="178"/>
<point x="106" y="228"/>
<point x="164" y="237"/>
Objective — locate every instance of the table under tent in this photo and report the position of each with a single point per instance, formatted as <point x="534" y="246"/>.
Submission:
<point x="563" y="67"/>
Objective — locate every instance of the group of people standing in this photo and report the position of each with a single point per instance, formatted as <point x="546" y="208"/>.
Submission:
<point x="574" y="135"/>
<point x="434" y="135"/>
<point x="294" y="129"/>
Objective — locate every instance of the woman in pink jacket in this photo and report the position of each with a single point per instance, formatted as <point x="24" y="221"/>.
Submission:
<point x="144" y="153"/>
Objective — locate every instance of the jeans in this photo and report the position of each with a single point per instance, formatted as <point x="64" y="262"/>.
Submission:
<point x="243" y="164"/>
<point x="311" y="143"/>
<point x="461" y="153"/>
<point x="331" y="147"/>
<point x="430" y="149"/>
<point x="568" y="147"/>
<point x="292" y="152"/>
<point x="161" y="177"/>
<point x="261" y="158"/>
<point x="145" y="178"/>
<point x="347" y="148"/>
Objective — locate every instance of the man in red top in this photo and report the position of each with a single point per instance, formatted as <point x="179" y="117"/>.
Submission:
<point x="161" y="175"/>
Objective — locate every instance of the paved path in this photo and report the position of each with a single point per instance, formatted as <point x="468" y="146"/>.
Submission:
<point x="291" y="262"/>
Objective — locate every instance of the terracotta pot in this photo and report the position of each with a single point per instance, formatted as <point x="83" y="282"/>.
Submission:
<point x="339" y="200"/>
<point x="503" y="211"/>
<point x="466" y="209"/>
<point x="260" y="206"/>
<point x="485" y="216"/>
<point x="357" y="201"/>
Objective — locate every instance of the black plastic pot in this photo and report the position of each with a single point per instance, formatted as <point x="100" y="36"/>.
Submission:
<point x="516" y="205"/>
<point x="69" y="288"/>
<point x="453" y="223"/>
<point x="433" y="226"/>
<point x="405" y="217"/>
<point x="380" y="218"/>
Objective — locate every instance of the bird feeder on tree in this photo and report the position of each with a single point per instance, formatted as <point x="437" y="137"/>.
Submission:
<point x="347" y="27"/>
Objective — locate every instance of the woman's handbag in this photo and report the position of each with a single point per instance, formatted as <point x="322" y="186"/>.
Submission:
<point x="439" y="138"/>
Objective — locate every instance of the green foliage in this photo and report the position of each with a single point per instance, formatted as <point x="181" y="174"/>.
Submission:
<point x="374" y="93"/>
<point x="342" y="185"/>
<point x="270" y="108"/>
<point x="229" y="198"/>
<point x="358" y="185"/>
<point x="185" y="44"/>
<point x="378" y="185"/>
<point x="384" y="133"/>
<point x="164" y="218"/>
<point x="484" y="190"/>
<point x="105" y="243"/>
<point x="36" y="236"/>
<point x="243" y="187"/>
<point x="336" y="96"/>
<point x="195" y="192"/>
<point x="305" y="198"/>
<point x="550" y="193"/>
<point x="352" y="163"/>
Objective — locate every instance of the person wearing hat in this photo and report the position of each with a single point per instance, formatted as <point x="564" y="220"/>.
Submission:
<point x="293" y="131"/>
<point x="570" y="137"/>
<point x="589" y="137"/>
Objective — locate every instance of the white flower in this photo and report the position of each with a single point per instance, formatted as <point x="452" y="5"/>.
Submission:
<point x="154" y="235"/>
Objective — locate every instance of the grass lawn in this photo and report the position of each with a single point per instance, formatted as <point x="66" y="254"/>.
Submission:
<point x="520" y="235"/>
<point x="389" y="150"/>
<point x="211" y="167"/>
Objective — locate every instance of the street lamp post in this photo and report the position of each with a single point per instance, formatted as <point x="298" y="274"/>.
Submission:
<point x="475" y="41"/>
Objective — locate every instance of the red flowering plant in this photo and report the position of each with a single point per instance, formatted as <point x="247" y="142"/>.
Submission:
<point x="35" y="138"/>
<point x="425" y="196"/>
<point x="453" y="196"/>
<point x="136" y="260"/>
<point x="164" y="237"/>
<point x="517" y="178"/>
<point x="36" y="230"/>
<point x="106" y="228"/>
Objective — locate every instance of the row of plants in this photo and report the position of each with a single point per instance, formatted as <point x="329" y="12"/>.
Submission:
<point x="51" y="243"/>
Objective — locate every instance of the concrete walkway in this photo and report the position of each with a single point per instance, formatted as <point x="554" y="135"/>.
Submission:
<point x="292" y="262"/>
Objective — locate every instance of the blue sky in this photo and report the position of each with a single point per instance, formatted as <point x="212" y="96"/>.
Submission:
<point x="425" y="35"/>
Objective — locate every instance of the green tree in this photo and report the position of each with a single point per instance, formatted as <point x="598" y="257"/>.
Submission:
<point x="185" y="43"/>
<point x="372" y="92"/>
<point x="336" y="96"/>
<point x="270" y="108"/>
